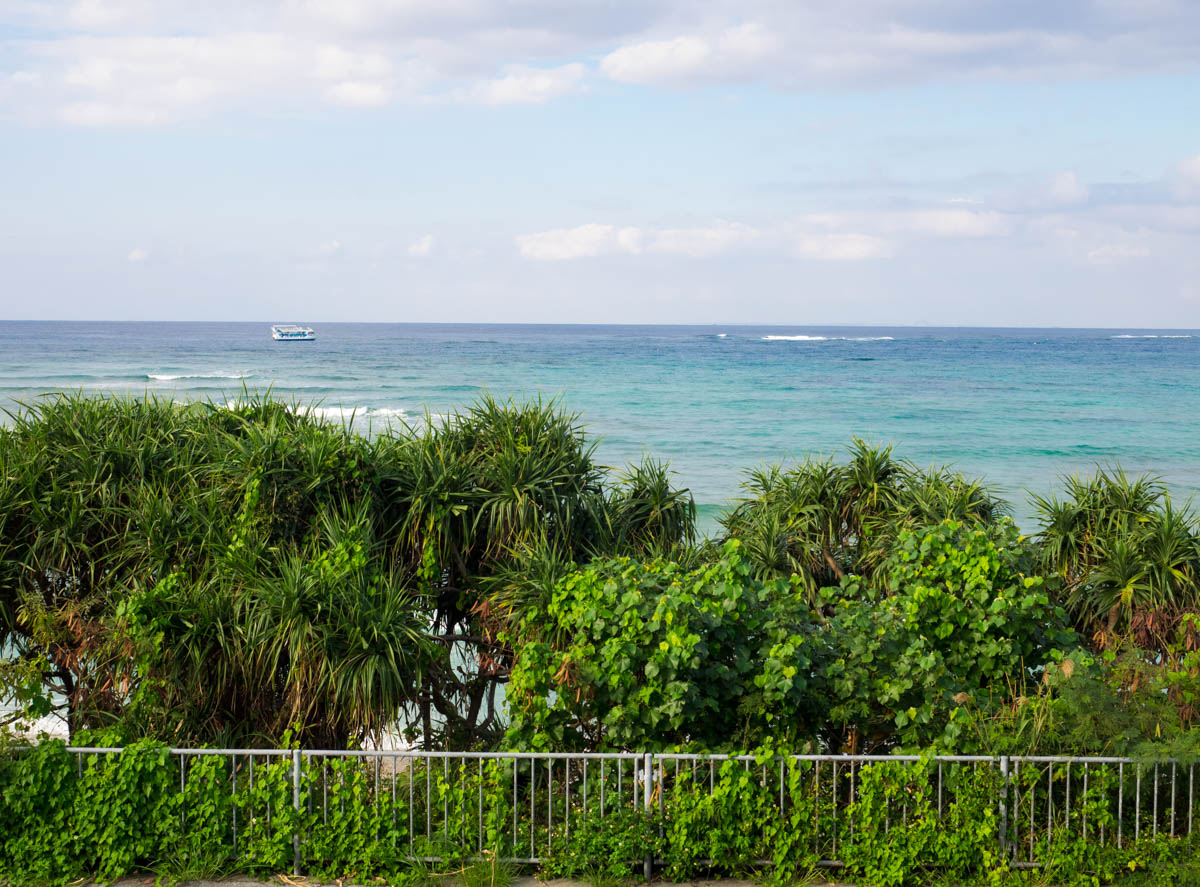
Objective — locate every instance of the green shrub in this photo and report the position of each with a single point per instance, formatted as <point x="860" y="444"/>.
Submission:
<point x="953" y="618"/>
<point x="37" y="801"/>
<point x="603" y="851"/>
<point x="647" y="655"/>
<point x="112" y="815"/>
<point x="960" y="842"/>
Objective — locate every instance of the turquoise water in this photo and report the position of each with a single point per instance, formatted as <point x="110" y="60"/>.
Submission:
<point x="1018" y="407"/>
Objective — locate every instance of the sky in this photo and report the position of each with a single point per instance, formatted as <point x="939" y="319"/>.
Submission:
<point x="1002" y="162"/>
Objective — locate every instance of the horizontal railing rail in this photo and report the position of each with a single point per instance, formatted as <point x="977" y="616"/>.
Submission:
<point x="523" y="806"/>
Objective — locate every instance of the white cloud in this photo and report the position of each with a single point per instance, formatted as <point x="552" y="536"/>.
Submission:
<point x="938" y="222"/>
<point x="422" y="247"/>
<point x="329" y="247"/>
<point x="956" y="222"/>
<point x="698" y="243"/>
<point x="882" y="42"/>
<point x="844" y="247"/>
<point x="138" y="254"/>
<point x="717" y="239"/>
<point x="1184" y="179"/>
<point x="1066" y="190"/>
<point x="357" y="93"/>
<point x="105" y="13"/>
<point x="334" y="62"/>
<point x="146" y="80"/>
<point x="1113" y="253"/>
<point x="1156" y="217"/>
<point x="1064" y="221"/>
<point x="584" y="241"/>
<point x="1029" y="194"/>
<point x="145" y="62"/>
<point x="108" y="114"/>
<point x="522" y="85"/>
<point x="657" y="60"/>
<point x="1189" y="169"/>
<point x="749" y="43"/>
<point x="731" y="53"/>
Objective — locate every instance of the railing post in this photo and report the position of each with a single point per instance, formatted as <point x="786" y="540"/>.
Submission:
<point x="648" y="860"/>
<point x="296" y="808"/>
<point x="1004" y="780"/>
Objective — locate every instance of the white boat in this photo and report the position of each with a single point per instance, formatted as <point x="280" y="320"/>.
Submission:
<point x="291" y="332"/>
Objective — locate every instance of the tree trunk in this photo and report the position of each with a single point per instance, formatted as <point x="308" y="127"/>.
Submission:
<point x="426" y="717"/>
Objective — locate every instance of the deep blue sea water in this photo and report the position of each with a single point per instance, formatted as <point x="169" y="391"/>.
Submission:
<point x="1019" y="407"/>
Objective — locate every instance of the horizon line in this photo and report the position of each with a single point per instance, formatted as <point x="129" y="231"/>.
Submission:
<point x="586" y="323"/>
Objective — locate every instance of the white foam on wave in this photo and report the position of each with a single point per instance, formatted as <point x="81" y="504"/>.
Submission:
<point x="338" y="413"/>
<point x="828" y="338"/>
<point x="721" y="335"/>
<point x="1154" y="336"/>
<point x="168" y="377"/>
<point x="354" y="414"/>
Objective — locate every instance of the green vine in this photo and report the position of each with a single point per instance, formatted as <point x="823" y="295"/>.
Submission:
<point x="65" y="816"/>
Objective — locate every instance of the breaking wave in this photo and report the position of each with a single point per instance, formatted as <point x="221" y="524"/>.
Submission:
<point x="828" y="338"/>
<point x="170" y="377"/>
<point x="342" y="414"/>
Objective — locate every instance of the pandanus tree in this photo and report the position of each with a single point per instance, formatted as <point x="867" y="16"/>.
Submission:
<point x="467" y="495"/>
<point x="322" y="639"/>
<point x="223" y="573"/>
<point x="1129" y="559"/>
<point x="93" y="495"/>
<point x="821" y="520"/>
<point x="186" y="571"/>
<point x="493" y="505"/>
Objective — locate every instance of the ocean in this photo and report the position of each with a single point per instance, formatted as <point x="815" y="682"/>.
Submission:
<point x="1018" y="407"/>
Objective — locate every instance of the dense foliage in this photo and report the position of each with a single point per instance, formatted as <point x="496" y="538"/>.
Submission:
<point x="646" y="655"/>
<point x="822" y="521"/>
<point x="1129" y="558"/>
<point x="209" y="574"/>
<point x="891" y="823"/>
<point x="231" y="574"/>
<point x="953" y="616"/>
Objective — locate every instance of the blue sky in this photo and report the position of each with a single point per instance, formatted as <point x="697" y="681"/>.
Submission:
<point x="874" y="161"/>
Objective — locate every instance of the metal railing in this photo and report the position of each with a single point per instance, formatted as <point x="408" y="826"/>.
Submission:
<point x="524" y="805"/>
